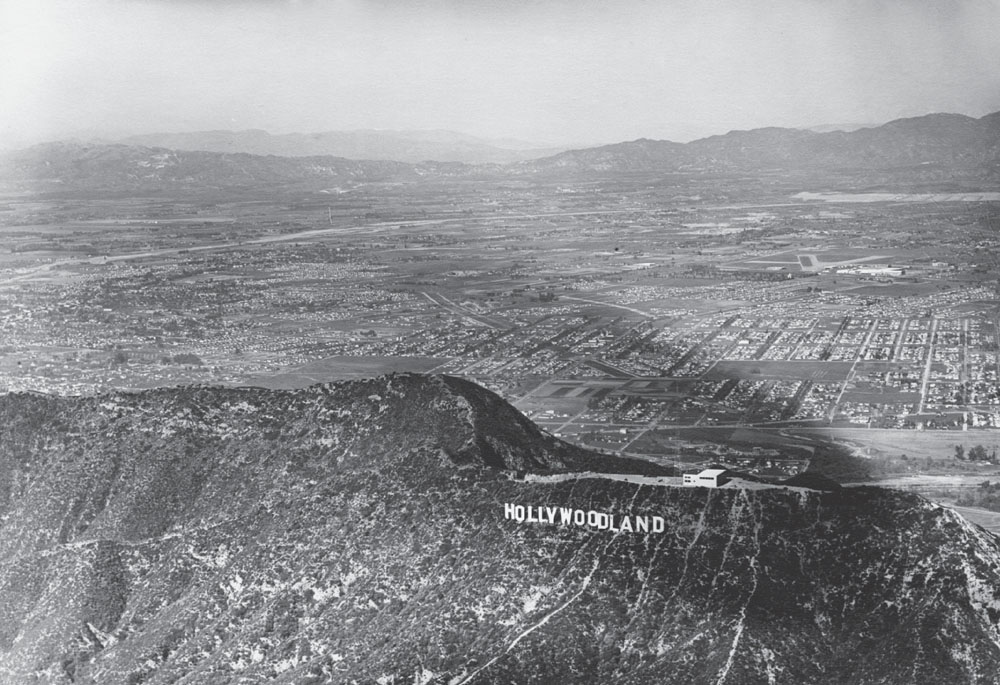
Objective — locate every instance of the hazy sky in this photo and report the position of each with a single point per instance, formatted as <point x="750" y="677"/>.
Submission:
<point x="551" y="71"/>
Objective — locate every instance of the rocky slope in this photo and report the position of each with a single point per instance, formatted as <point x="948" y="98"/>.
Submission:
<point x="362" y="532"/>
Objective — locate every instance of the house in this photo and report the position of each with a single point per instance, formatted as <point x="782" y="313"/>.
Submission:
<point x="709" y="478"/>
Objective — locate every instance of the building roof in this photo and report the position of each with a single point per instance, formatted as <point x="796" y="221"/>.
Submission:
<point x="711" y="473"/>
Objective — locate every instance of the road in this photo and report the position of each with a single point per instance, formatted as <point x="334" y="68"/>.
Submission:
<point x="299" y="235"/>
<point x="609" y="304"/>
<point x="473" y="317"/>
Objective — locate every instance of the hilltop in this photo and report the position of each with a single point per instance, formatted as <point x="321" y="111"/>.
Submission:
<point x="355" y="532"/>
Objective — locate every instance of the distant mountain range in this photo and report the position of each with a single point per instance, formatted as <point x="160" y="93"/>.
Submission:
<point x="126" y="168"/>
<point x="950" y="141"/>
<point x="368" y="532"/>
<point x="936" y="147"/>
<point x="397" y="146"/>
<point x="826" y="128"/>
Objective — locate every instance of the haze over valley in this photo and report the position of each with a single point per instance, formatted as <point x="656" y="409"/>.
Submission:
<point x="474" y="343"/>
<point x="765" y="299"/>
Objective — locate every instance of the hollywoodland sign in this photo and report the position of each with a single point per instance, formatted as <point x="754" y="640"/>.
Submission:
<point x="564" y="516"/>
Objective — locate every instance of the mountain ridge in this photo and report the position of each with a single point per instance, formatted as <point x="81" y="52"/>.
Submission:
<point x="356" y="532"/>
<point x="935" y="147"/>
<point x="954" y="140"/>
<point x="363" y="144"/>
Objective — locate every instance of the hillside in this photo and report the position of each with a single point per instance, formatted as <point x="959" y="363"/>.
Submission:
<point x="356" y="532"/>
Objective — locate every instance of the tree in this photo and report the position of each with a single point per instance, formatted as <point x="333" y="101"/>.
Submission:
<point x="978" y="453"/>
<point x="960" y="452"/>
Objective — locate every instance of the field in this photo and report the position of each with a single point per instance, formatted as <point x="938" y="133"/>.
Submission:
<point x="875" y="443"/>
<point x="990" y="520"/>
<point x="781" y="369"/>
<point x="344" y="368"/>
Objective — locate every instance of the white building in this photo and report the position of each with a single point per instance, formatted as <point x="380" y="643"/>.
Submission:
<point x="709" y="478"/>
